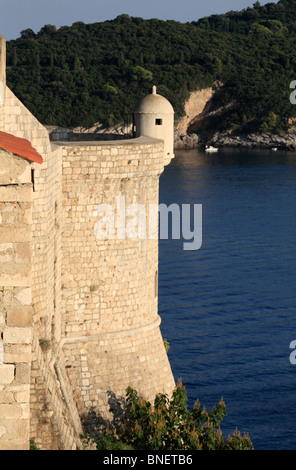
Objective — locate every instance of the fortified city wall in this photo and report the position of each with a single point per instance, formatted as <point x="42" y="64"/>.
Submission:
<point x="78" y="315"/>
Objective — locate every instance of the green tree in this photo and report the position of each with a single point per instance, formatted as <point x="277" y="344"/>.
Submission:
<point x="28" y="33"/>
<point x="270" y="124"/>
<point x="252" y="52"/>
<point x="168" y="425"/>
<point x="259" y="30"/>
<point x="110" y="90"/>
<point x="141" y="74"/>
<point x="14" y="58"/>
<point x="76" y="64"/>
<point x="181" y="60"/>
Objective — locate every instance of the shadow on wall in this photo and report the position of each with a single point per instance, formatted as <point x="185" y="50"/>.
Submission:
<point x="95" y="425"/>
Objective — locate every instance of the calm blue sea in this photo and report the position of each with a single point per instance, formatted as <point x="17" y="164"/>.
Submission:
<point x="229" y="309"/>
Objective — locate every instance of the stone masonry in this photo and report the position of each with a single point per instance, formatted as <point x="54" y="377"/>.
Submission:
<point x="78" y="315"/>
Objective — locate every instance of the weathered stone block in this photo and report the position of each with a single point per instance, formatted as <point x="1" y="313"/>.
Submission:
<point x="25" y="407"/>
<point x="10" y="411"/>
<point x="24" y="296"/>
<point x="19" y="316"/>
<point x="17" y="353"/>
<point x="22" y="397"/>
<point x="14" y="279"/>
<point x="2" y="430"/>
<point x="13" y="169"/>
<point x="23" y="252"/>
<point x="16" y="193"/>
<point x="17" y="433"/>
<point x="14" y="335"/>
<point x="22" y="373"/>
<point x="12" y="445"/>
<point x="6" y="373"/>
<point x="6" y="397"/>
<point x="13" y="233"/>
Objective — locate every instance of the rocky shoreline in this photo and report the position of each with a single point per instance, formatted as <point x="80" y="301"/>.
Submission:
<point x="260" y="141"/>
<point x="185" y="141"/>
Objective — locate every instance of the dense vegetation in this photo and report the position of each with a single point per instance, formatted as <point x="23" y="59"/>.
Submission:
<point x="87" y="73"/>
<point x="168" y="425"/>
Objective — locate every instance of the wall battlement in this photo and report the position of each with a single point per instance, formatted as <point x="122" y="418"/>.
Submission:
<point x="78" y="314"/>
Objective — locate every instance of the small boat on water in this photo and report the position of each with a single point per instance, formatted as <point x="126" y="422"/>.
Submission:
<point x="274" y="149"/>
<point x="209" y="148"/>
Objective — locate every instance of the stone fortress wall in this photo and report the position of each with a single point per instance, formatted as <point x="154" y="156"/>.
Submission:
<point x="78" y="315"/>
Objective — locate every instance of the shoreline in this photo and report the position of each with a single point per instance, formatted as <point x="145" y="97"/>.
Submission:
<point x="285" y="141"/>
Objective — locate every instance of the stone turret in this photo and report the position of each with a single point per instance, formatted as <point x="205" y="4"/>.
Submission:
<point x="154" y="117"/>
<point x="112" y="336"/>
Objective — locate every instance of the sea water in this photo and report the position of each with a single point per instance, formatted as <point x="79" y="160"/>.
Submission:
<point x="229" y="309"/>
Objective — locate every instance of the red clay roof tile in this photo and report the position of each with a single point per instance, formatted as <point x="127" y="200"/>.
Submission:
<point x="21" y="147"/>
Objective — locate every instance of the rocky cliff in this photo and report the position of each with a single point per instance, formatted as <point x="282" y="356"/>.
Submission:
<point x="199" y="108"/>
<point x="194" y="107"/>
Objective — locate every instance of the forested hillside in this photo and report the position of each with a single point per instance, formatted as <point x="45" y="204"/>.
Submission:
<point x="88" y="73"/>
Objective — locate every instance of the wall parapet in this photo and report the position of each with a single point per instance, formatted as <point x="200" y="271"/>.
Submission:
<point x="131" y="158"/>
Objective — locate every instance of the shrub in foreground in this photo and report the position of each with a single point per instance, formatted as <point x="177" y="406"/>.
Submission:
<point x="168" y="425"/>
